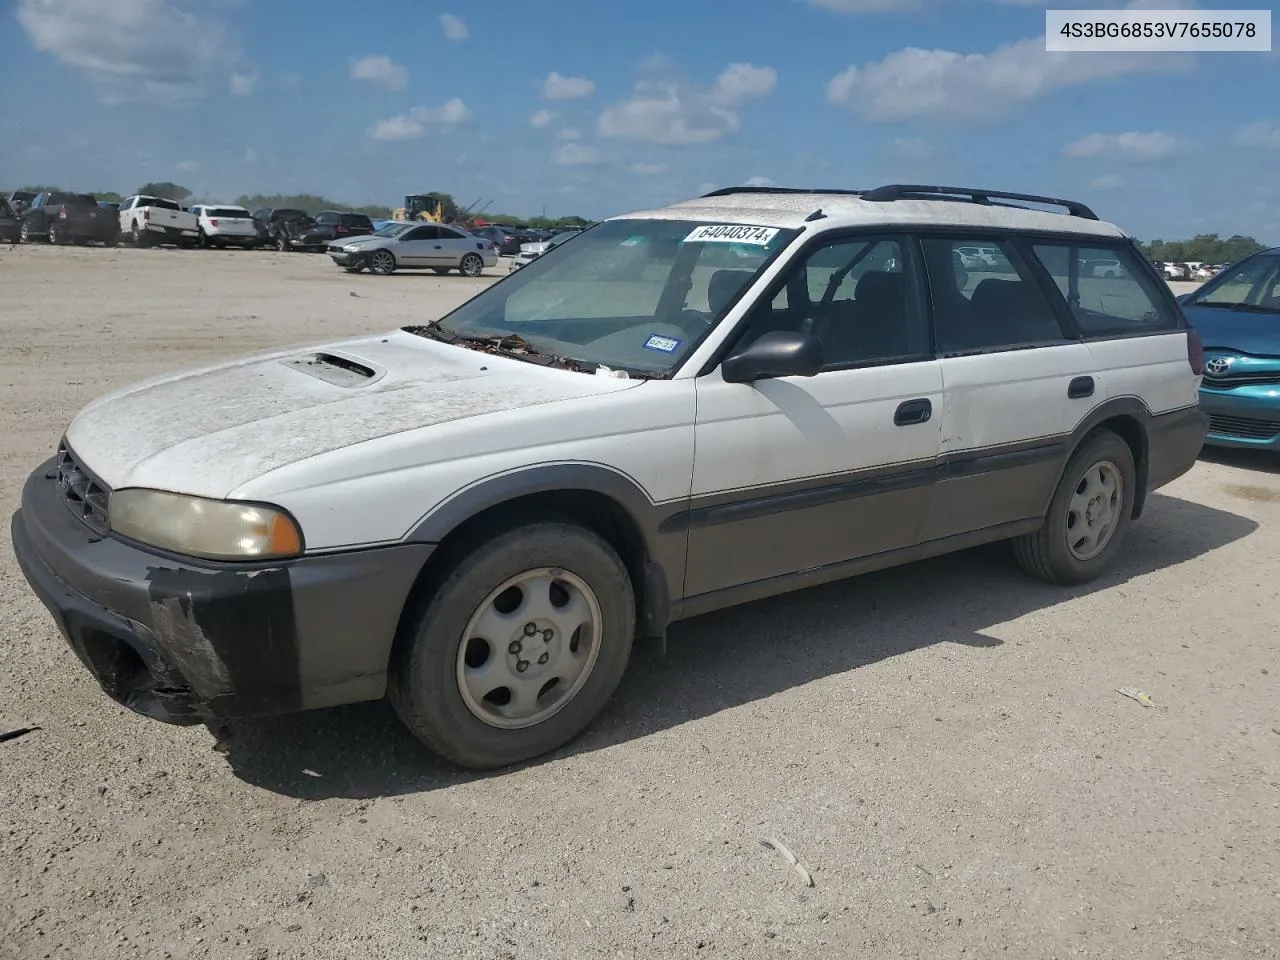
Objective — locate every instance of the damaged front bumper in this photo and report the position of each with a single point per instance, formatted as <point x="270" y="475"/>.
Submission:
<point x="191" y="642"/>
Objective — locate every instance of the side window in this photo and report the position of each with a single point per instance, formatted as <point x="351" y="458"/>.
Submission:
<point x="984" y="298"/>
<point x="422" y="233"/>
<point x="1107" y="291"/>
<point x="861" y="296"/>
<point x="447" y="234"/>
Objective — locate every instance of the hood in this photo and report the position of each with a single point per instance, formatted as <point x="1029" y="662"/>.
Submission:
<point x="1253" y="333"/>
<point x="540" y="247"/>
<point x="207" y="432"/>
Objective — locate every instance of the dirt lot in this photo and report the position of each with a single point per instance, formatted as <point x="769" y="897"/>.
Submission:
<point x="942" y="745"/>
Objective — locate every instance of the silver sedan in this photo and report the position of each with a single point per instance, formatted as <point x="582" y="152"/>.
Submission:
<point x="415" y="246"/>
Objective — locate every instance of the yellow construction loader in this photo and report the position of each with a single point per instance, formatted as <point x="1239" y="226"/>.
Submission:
<point x="419" y="207"/>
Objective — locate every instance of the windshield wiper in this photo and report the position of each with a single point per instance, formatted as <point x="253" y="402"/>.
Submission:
<point x="516" y="346"/>
<point x="1255" y="308"/>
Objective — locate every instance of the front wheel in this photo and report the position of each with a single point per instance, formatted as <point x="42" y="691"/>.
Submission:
<point x="471" y="265"/>
<point x="55" y="234"/>
<point x="383" y="263"/>
<point x="519" y="648"/>
<point x="1088" y="516"/>
<point x="24" y="232"/>
<point x="282" y="244"/>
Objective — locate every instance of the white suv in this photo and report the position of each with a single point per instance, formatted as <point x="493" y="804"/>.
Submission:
<point x="222" y="226"/>
<point x="683" y="409"/>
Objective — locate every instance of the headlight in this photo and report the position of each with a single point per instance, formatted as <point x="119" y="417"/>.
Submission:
<point x="212" y="529"/>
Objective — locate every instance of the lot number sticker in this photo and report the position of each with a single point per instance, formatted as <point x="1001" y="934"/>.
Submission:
<point x="665" y="344"/>
<point x="732" y="233"/>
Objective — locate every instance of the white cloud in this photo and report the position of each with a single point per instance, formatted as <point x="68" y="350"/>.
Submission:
<point x="978" y="87"/>
<point x="874" y="6"/>
<point x="757" y="182"/>
<point x="414" y="124"/>
<point x="569" y="133"/>
<point x="242" y="83"/>
<point x="576" y="155"/>
<point x="1263" y="133"/>
<point x="455" y="28"/>
<point x="648" y="169"/>
<point x="556" y="87"/>
<point x="1134" y="145"/>
<point x="542" y="118"/>
<point x="911" y="148"/>
<point x="381" y="70"/>
<point x="1107" y="182"/>
<point x="150" y="50"/>
<point x="187" y="166"/>
<point x="667" y="111"/>
<point x="250" y="155"/>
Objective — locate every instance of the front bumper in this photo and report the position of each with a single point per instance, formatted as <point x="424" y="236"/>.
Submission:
<point x="189" y="642"/>
<point x="1245" y="418"/>
<point x="346" y="258"/>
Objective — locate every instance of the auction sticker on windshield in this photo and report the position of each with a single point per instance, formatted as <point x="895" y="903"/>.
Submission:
<point x="732" y="233"/>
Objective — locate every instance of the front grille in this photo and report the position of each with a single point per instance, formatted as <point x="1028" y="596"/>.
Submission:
<point x="1246" y="428"/>
<point x="85" y="495"/>
<point x="1240" y="380"/>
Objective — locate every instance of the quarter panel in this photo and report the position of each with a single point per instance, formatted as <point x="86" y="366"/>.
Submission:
<point x="1153" y="368"/>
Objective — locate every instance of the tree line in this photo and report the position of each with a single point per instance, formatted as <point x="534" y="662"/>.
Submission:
<point x="314" y="203"/>
<point x="1203" y="248"/>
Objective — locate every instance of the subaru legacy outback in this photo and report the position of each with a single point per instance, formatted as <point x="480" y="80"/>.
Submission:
<point x="683" y="409"/>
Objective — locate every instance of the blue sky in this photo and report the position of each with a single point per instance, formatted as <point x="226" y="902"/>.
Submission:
<point x="589" y="108"/>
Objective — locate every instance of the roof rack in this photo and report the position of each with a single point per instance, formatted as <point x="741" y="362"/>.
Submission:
<point x="911" y="191"/>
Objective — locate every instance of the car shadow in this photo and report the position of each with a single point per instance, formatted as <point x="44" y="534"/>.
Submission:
<point x="731" y="657"/>
<point x="1263" y="461"/>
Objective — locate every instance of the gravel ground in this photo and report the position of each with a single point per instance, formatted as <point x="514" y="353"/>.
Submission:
<point x="942" y="745"/>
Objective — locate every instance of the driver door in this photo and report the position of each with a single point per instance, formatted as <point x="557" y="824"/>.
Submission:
<point x="797" y="473"/>
<point x="418" y="247"/>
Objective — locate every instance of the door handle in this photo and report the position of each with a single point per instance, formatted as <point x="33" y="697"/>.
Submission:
<point x="912" y="411"/>
<point x="438" y="247"/>
<point x="1080" y="387"/>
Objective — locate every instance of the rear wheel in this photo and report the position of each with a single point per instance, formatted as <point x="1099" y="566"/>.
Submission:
<point x="382" y="262"/>
<point x="518" y="649"/>
<point x="471" y="265"/>
<point x="24" y="232"/>
<point x="112" y="240"/>
<point x="55" y="234"/>
<point x="140" y="238"/>
<point x="282" y="244"/>
<point x="1088" y="516"/>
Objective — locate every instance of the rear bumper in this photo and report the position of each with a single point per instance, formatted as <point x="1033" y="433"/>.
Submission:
<point x="1241" y="420"/>
<point x="176" y="233"/>
<point x="1174" y="441"/>
<point x="184" y="642"/>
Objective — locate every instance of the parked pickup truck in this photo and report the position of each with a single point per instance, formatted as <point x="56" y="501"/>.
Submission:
<point x="149" y="220"/>
<point x="68" y="218"/>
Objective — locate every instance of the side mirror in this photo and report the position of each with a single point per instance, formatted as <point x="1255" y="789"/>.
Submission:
<point x="778" y="353"/>
<point x="1182" y="297"/>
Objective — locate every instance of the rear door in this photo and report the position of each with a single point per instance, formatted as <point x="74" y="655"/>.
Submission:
<point x="1013" y="379"/>
<point x="454" y="246"/>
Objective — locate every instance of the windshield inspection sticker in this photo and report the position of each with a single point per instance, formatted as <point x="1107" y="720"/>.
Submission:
<point x="665" y="344"/>
<point x="732" y="233"/>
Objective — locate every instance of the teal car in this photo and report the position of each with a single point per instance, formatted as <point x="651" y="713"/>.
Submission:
<point x="1237" y="315"/>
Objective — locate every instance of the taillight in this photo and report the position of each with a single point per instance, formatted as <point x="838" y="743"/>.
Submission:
<point x="1195" y="351"/>
<point x="341" y="229"/>
<point x="213" y="223"/>
<point x="62" y="213"/>
<point x="146" y="213"/>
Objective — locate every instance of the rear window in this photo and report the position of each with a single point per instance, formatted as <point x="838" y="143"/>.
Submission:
<point x="81" y="200"/>
<point x="1107" y="289"/>
<point x="163" y="204"/>
<point x="226" y="212"/>
<point x="356" y="220"/>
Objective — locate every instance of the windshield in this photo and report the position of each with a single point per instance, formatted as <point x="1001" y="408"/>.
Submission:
<point x="394" y="229"/>
<point x="635" y="295"/>
<point x="1252" y="284"/>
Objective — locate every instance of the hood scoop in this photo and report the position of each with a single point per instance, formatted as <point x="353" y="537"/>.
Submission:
<point x="337" y="370"/>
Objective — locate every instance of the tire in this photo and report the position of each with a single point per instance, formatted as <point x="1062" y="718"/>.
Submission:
<point x="282" y="245"/>
<point x="24" y="232"/>
<point x="140" y="238"/>
<point x="471" y="265"/>
<point x="429" y="686"/>
<point x="1048" y="554"/>
<point x="203" y="240"/>
<point x="382" y="262"/>
<point x="55" y="235"/>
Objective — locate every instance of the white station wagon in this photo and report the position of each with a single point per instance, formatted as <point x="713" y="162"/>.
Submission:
<point x="743" y="394"/>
